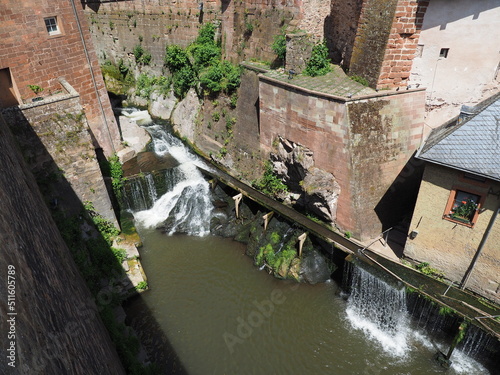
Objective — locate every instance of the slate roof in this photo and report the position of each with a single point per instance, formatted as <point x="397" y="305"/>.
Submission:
<point x="473" y="146"/>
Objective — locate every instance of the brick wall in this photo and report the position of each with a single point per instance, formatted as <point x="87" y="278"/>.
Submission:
<point x="449" y="246"/>
<point x="402" y="44"/>
<point x="246" y="28"/>
<point x="386" y="41"/>
<point x="36" y="58"/>
<point x="384" y="134"/>
<point x="364" y="144"/>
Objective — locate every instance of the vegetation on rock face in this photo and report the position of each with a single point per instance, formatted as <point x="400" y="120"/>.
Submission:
<point x="319" y="63"/>
<point x="269" y="183"/>
<point x="100" y="264"/>
<point x="426" y="269"/>
<point x="141" y="55"/>
<point x="201" y="62"/>
<point x="279" y="46"/>
<point x="120" y="73"/>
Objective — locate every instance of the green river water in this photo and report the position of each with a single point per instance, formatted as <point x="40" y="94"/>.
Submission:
<point x="222" y="315"/>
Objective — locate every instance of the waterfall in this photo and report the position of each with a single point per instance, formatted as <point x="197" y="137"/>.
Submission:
<point x="378" y="309"/>
<point x="186" y="206"/>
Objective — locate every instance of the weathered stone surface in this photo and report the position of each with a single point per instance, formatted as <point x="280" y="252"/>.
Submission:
<point x="322" y="193"/>
<point x="314" y="189"/>
<point x="58" y="329"/>
<point x="55" y="140"/>
<point x="298" y="51"/>
<point x="148" y="161"/>
<point x="126" y="154"/>
<point x="162" y="106"/>
<point x="184" y="115"/>
<point x="313" y="268"/>
<point x="291" y="162"/>
<point x="133" y="134"/>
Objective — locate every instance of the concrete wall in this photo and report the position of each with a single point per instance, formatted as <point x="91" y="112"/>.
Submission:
<point x="57" y="326"/>
<point x="470" y="72"/>
<point x="364" y="143"/>
<point x="55" y="141"/>
<point x="449" y="246"/>
<point x="37" y="58"/>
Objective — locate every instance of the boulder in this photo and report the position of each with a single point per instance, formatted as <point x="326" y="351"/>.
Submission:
<point x="322" y="193"/>
<point x="313" y="268"/>
<point x="161" y="106"/>
<point x="312" y="188"/>
<point x="184" y="115"/>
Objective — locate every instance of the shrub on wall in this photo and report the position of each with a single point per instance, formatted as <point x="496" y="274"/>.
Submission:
<point x="279" y="46"/>
<point x="319" y="63"/>
<point x="141" y="55"/>
<point x="201" y="62"/>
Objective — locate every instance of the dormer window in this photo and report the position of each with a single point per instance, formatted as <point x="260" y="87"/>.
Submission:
<point x="52" y="26"/>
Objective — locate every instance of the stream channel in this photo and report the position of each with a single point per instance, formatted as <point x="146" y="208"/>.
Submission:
<point x="209" y="310"/>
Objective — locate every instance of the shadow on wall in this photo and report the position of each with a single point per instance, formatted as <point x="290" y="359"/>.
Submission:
<point x="50" y="233"/>
<point x="442" y="14"/>
<point x="92" y="4"/>
<point x="397" y="204"/>
<point x="339" y="29"/>
<point x="57" y="315"/>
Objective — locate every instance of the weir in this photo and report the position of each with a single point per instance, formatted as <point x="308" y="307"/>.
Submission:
<point x="185" y="207"/>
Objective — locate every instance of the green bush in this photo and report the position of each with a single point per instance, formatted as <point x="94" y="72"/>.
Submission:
<point x="141" y="55"/>
<point x="221" y="76"/>
<point x="120" y="254"/>
<point x="206" y="34"/>
<point x="176" y="58"/>
<point x="205" y="54"/>
<point x="201" y="61"/>
<point x="116" y="172"/>
<point x="183" y="79"/>
<point x="319" y="63"/>
<point x="269" y="183"/>
<point x="279" y="46"/>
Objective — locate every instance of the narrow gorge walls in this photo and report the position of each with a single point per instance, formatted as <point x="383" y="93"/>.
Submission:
<point x="57" y="326"/>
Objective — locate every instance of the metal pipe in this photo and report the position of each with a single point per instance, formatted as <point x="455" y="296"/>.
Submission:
<point x="479" y="249"/>
<point x="89" y="62"/>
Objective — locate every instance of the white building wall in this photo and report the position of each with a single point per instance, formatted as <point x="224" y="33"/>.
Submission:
<point x="470" y="72"/>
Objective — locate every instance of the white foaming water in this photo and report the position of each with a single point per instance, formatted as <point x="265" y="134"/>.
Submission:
<point x="379" y="311"/>
<point x="141" y="118"/>
<point x="187" y="207"/>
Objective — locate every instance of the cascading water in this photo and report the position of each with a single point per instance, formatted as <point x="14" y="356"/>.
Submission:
<point x="380" y="311"/>
<point x="186" y="207"/>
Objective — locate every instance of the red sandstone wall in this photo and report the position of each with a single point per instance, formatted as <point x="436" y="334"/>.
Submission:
<point x="364" y="143"/>
<point x="384" y="134"/>
<point x="36" y="58"/>
<point x="402" y="44"/>
<point x="318" y="123"/>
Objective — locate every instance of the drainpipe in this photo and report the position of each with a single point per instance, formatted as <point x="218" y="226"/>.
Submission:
<point x="479" y="249"/>
<point x="92" y="74"/>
